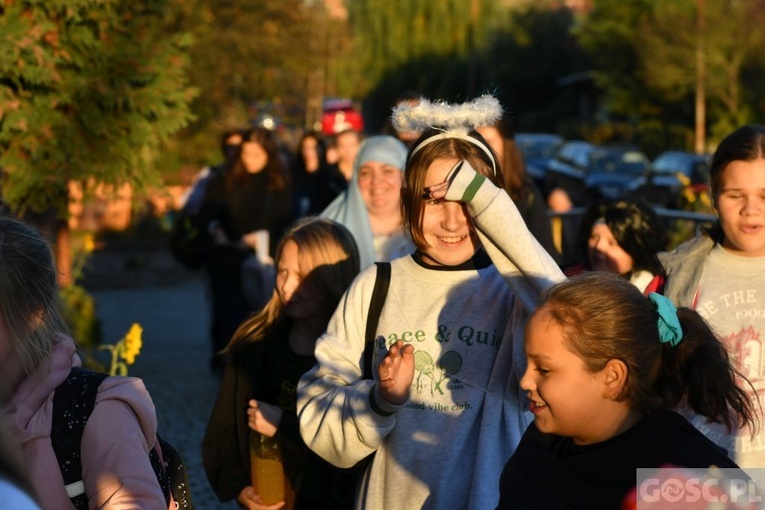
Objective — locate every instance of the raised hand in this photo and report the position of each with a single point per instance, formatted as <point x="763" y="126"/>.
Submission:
<point x="396" y="373"/>
<point x="439" y="190"/>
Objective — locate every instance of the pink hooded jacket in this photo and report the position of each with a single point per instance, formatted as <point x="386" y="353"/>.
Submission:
<point x="115" y="444"/>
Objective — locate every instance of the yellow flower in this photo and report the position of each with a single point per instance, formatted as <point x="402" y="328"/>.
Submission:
<point x="684" y="180"/>
<point x="690" y="196"/>
<point x="704" y="196"/>
<point x="132" y="343"/>
<point x="88" y="245"/>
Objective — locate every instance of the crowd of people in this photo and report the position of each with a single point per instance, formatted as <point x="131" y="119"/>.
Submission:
<point x="393" y="313"/>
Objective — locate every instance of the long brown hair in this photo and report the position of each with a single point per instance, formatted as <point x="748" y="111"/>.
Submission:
<point x="328" y="253"/>
<point x="412" y="204"/>
<point x="513" y="165"/>
<point x="29" y="298"/>
<point x="275" y="167"/>
<point x="606" y="317"/>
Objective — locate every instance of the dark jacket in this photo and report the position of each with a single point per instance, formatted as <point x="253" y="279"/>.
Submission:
<point x="268" y="370"/>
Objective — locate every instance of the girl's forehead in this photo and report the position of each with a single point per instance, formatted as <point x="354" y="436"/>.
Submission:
<point x="438" y="170"/>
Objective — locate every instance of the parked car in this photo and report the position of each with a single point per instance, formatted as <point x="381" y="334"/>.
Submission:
<point x="662" y="186"/>
<point x="568" y="169"/>
<point x="538" y="149"/>
<point x="616" y="171"/>
<point x="590" y="172"/>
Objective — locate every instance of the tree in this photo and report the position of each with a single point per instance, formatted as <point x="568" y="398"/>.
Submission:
<point x="245" y="54"/>
<point x="668" y="43"/>
<point x="609" y="35"/>
<point x="90" y="91"/>
<point x="428" y="46"/>
<point x="644" y="52"/>
<point x="531" y="50"/>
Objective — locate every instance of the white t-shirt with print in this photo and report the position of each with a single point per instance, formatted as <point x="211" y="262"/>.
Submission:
<point x="732" y="300"/>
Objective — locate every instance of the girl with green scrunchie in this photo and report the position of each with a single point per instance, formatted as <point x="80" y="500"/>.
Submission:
<point x="606" y="367"/>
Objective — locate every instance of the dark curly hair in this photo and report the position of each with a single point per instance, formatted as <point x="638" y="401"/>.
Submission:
<point x="635" y="226"/>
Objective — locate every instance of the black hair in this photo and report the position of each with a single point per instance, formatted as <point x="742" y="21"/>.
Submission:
<point x="635" y="226"/>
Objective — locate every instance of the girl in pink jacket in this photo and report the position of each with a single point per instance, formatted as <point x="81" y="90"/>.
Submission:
<point x="36" y="356"/>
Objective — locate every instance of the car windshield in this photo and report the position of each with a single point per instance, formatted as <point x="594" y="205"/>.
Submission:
<point x="621" y="162"/>
<point x="537" y="148"/>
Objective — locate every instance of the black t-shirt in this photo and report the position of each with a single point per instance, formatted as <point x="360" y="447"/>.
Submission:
<point x="551" y="472"/>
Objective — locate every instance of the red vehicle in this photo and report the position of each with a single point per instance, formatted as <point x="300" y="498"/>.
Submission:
<point x="339" y="115"/>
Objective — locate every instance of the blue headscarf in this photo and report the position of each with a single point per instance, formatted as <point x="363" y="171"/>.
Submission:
<point x="349" y="208"/>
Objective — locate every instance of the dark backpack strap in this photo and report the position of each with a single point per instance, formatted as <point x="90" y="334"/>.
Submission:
<point x="379" y="293"/>
<point x="73" y="403"/>
<point x="172" y="474"/>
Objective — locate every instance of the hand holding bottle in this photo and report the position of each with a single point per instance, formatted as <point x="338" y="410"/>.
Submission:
<point x="251" y="501"/>
<point x="264" y="417"/>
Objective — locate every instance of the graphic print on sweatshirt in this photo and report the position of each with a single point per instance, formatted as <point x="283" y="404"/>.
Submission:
<point x="451" y="365"/>
<point x="732" y="301"/>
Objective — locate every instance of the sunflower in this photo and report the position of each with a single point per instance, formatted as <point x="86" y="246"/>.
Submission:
<point x="132" y="343"/>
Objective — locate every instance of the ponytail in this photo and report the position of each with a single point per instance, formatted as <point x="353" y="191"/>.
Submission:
<point x="699" y="370"/>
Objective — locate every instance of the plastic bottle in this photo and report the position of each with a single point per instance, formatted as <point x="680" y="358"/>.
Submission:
<point x="267" y="468"/>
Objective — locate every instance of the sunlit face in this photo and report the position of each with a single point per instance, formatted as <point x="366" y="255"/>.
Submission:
<point x="566" y="399"/>
<point x="254" y="157"/>
<point x="741" y="207"/>
<point x="494" y="138"/>
<point x="446" y="226"/>
<point x="347" y="147"/>
<point x="309" y="150"/>
<point x="298" y="294"/>
<point x="604" y="252"/>
<point x="380" y="187"/>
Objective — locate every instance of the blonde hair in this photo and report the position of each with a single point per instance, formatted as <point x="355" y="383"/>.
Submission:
<point x="412" y="204"/>
<point x="29" y="298"/>
<point x="328" y="254"/>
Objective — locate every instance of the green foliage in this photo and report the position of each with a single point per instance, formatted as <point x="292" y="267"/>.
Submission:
<point x="90" y="91"/>
<point x="243" y="53"/>
<point x="531" y="50"/>
<point x="608" y="35"/>
<point x="391" y="33"/>
<point x="431" y="47"/>
<point x="645" y="53"/>
<point x="80" y="314"/>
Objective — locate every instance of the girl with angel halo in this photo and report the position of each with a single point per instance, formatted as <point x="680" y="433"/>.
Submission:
<point x="443" y="410"/>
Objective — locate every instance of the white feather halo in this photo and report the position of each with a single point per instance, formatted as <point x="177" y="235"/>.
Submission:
<point x="482" y="111"/>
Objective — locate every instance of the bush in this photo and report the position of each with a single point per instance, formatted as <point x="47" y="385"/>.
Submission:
<point x="80" y="314"/>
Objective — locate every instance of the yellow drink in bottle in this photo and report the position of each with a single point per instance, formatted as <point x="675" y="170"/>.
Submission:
<point x="267" y="469"/>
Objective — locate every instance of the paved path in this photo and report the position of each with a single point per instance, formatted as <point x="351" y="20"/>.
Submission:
<point x="174" y="360"/>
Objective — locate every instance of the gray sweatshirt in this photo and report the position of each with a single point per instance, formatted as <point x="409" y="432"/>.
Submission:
<point x="447" y="445"/>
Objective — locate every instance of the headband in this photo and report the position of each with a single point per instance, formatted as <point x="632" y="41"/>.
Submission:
<point x="669" y="325"/>
<point x="453" y="121"/>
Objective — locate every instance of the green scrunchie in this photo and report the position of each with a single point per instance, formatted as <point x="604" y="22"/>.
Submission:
<point x="669" y="325"/>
